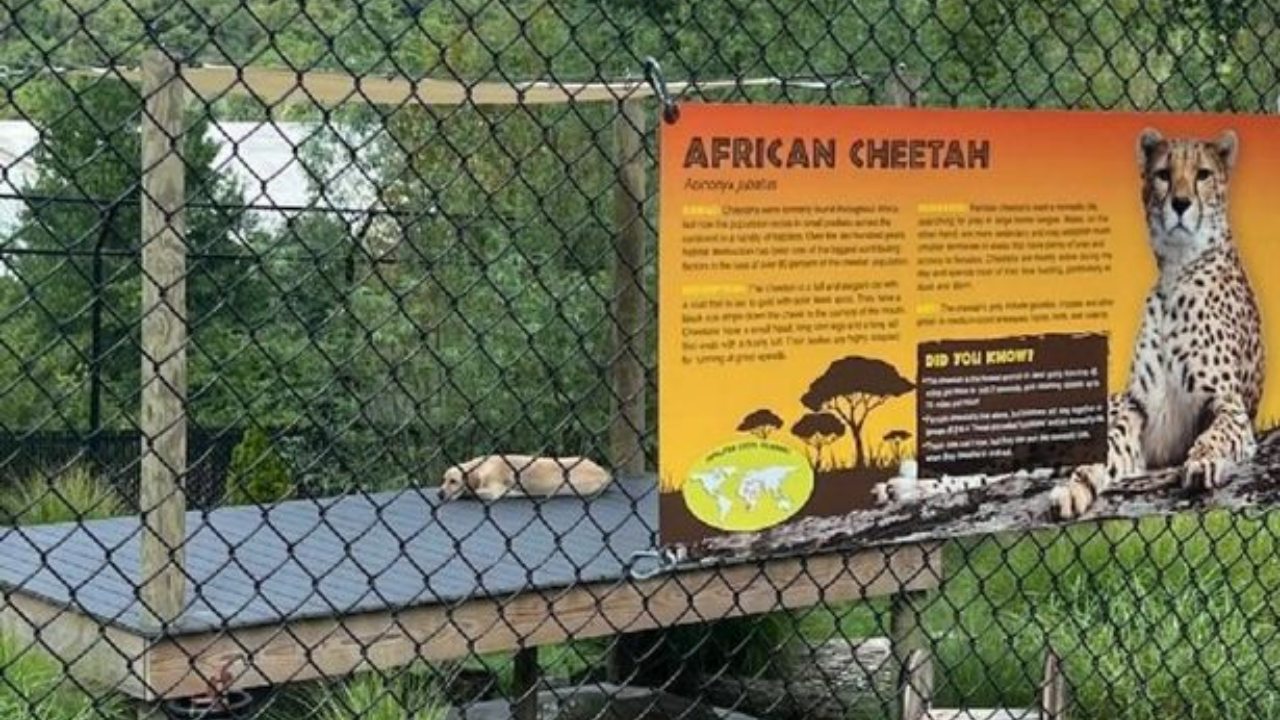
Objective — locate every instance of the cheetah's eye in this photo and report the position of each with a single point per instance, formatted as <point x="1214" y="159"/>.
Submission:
<point x="1163" y="175"/>
<point x="1203" y="174"/>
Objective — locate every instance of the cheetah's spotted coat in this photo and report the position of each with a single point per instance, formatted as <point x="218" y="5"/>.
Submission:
<point x="1198" y="367"/>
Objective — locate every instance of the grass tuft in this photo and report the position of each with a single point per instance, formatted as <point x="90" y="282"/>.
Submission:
<point x="404" y="695"/>
<point x="74" y="493"/>
<point x="34" y="686"/>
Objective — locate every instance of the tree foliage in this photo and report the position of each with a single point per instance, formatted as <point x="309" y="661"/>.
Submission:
<point x="762" y="423"/>
<point x="897" y="440"/>
<point x="258" y="474"/>
<point x="818" y="430"/>
<point x="80" y="242"/>
<point x="852" y="388"/>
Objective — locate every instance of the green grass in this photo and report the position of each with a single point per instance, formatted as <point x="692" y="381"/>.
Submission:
<point x="373" y="696"/>
<point x="72" y="493"/>
<point x="402" y="694"/>
<point x="563" y="661"/>
<point x="33" y="686"/>
<point x="1160" y="618"/>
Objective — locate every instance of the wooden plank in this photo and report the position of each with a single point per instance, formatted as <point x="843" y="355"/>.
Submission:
<point x="905" y="627"/>
<point x="92" y="654"/>
<point x="630" y="308"/>
<point x="337" y="647"/>
<point x="984" y="714"/>
<point x="902" y="87"/>
<point x="164" y="339"/>
<point x="916" y="676"/>
<point x="281" y="86"/>
<point x="1053" y="691"/>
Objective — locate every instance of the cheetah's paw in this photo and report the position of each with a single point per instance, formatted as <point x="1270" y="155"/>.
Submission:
<point x="896" y="490"/>
<point x="1071" y="499"/>
<point x="1204" y="473"/>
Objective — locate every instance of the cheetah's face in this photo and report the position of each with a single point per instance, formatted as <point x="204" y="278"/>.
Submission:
<point x="1184" y="190"/>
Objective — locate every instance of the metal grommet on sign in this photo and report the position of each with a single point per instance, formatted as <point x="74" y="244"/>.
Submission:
<point x="653" y="75"/>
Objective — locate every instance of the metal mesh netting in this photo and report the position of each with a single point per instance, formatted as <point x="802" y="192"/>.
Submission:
<point x="412" y="233"/>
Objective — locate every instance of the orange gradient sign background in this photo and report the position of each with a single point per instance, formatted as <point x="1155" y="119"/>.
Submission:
<point x="1034" y="158"/>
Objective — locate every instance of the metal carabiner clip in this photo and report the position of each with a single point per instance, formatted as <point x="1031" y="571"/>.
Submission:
<point x="653" y="75"/>
<point x="665" y="560"/>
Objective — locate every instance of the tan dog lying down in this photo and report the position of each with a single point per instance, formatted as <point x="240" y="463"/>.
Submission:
<point x="491" y="477"/>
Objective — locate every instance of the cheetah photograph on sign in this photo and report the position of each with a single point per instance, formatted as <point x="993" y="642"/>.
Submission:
<point x="1198" y="365"/>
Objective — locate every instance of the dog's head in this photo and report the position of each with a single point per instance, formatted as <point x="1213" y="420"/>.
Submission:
<point x="454" y="484"/>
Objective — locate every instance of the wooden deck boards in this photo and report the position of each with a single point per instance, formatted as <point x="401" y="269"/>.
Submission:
<point x="307" y="559"/>
<point x="320" y="589"/>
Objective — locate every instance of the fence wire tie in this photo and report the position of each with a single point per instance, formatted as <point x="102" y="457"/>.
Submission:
<point x="653" y="75"/>
<point x="663" y="561"/>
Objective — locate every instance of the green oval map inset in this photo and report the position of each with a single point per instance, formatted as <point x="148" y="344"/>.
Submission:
<point x="748" y="485"/>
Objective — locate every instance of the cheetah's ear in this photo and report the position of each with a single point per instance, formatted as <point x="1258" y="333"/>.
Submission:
<point x="1148" y="141"/>
<point x="1228" y="147"/>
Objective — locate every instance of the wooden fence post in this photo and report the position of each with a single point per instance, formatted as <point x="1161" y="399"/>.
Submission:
<point x="630" y="308"/>
<point x="630" y="312"/>
<point x="162" y="499"/>
<point x="907" y="636"/>
<point x="526" y="678"/>
<point x="902" y="87"/>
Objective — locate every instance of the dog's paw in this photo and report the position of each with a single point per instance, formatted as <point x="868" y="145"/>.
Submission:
<point x="1072" y="499"/>
<point x="1204" y="473"/>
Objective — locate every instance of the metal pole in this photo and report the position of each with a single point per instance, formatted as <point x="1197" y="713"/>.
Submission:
<point x="95" y="330"/>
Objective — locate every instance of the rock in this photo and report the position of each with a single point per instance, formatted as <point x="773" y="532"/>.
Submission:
<point x="469" y="685"/>
<point x="602" y="701"/>
<point x="825" y="684"/>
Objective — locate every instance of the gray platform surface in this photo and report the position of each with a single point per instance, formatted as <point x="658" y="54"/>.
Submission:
<point x="321" y="558"/>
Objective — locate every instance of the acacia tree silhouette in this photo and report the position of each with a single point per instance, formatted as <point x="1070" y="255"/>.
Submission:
<point x="762" y="423"/>
<point x="896" y="439"/>
<point x="852" y="388"/>
<point x="818" y="430"/>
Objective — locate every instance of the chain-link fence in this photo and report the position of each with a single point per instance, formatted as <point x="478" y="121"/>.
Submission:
<point x="281" y="263"/>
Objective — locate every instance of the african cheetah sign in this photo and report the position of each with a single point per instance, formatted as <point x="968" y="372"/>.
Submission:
<point x="870" y="315"/>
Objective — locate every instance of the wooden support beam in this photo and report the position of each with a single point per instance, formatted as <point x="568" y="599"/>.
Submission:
<point x="906" y="630"/>
<point x="162" y="500"/>
<point x="630" y="315"/>
<point x="336" y="647"/>
<point x="277" y="87"/>
<point x="913" y="663"/>
<point x="174" y="666"/>
<point x="526" y="679"/>
<point x="982" y="714"/>
<point x="917" y="686"/>
<point x="89" y="652"/>
<point x="630" y="309"/>
<point x="916" y="679"/>
<point x="1053" y="692"/>
<point x="902" y="88"/>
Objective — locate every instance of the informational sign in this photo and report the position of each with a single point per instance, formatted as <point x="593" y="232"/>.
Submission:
<point x="861" y="307"/>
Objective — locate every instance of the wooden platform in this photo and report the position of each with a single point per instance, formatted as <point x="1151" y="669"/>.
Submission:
<point x="313" y="589"/>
